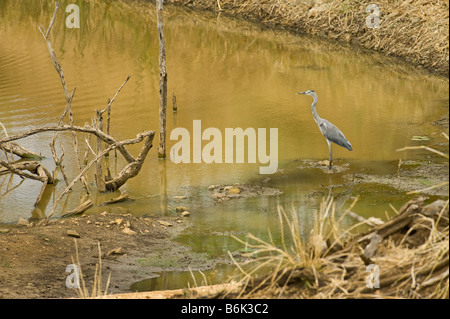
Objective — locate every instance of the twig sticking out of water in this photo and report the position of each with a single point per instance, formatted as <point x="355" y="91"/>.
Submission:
<point x="423" y="147"/>
<point x="69" y="98"/>
<point x="174" y="102"/>
<point x="433" y="151"/>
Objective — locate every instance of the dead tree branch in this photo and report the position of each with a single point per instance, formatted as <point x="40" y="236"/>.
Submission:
<point x="148" y="135"/>
<point x="60" y="128"/>
<point x="38" y="173"/>
<point x="17" y="149"/>
<point x="69" y="97"/>
<point x="34" y="170"/>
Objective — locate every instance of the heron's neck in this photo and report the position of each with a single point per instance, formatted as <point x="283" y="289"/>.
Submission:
<point x="313" y="109"/>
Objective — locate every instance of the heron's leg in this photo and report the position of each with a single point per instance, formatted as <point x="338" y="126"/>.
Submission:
<point x="330" y="159"/>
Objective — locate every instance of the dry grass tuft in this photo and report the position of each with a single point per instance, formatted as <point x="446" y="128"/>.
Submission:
<point x="96" y="292"/>
<point x="410" y="252"/>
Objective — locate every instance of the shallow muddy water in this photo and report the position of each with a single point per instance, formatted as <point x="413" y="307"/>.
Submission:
<point x="228" y="74"/>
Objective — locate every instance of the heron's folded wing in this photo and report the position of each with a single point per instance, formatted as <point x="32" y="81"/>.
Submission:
<point x="333" y="134"/>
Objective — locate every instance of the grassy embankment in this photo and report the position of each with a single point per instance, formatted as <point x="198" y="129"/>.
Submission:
<point x="417" y="31"/>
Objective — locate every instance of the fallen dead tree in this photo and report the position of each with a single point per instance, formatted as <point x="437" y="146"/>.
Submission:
<point x="105" y="143"/>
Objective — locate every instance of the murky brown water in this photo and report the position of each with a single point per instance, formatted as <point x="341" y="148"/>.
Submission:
<point x="227" y="74"/>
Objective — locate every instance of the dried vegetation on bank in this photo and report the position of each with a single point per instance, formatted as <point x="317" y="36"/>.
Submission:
<point x="405" y="257"/>
<point x="417" y="31"/>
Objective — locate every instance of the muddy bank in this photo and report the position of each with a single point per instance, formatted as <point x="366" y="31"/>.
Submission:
<point x="423" y="178"/>
<point x="33" y="258"/>
<point x="222" y="193"/>
<point x="416" y="31"/>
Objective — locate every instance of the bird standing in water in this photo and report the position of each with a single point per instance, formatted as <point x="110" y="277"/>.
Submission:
<point x="328" y="129"/>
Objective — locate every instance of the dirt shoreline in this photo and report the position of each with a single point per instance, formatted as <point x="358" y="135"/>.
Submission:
<point x="416" y="31"/>
<point x="34" y="257"/>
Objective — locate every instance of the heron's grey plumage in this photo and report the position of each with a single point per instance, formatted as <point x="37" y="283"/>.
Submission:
<point x="333" y="134"/>
<point x="328" y="129"/>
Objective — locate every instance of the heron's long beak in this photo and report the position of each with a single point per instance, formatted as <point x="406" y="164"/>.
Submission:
<point x="301" y="92"/>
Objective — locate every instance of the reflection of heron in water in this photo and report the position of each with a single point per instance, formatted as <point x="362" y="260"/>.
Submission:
<point x="328" y="129"/>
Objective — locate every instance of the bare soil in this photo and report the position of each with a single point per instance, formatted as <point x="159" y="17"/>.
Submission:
<point x="33" y="258"/>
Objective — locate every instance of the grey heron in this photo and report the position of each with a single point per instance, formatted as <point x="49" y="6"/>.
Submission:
<point x="328" y="129"/>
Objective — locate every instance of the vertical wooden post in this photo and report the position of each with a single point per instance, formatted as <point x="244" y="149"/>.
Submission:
<point x="98" y="171"/>
<point x="163" y="187"/>
<point x="162" y="81"/>
<point x="174" y="102"/>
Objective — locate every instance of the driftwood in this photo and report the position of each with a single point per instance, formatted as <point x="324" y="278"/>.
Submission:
<point x="133" y="168"/>
<point x="20" y="151"/>
<point x="38" y="172"/>
<point x="409" y="211"/>
<point x="122" y="198"/>
<point x="16" y="149"/>
<point x="79" y="210"/>
<point x="414" y="215"/>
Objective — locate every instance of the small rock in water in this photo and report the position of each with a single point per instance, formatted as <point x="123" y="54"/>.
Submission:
<point x="185" y="214"/>
<point x="218" y="195"/>
<point x="181" y="209"/>
<point x="73" y="233"/>
<point x="164" y="223"/>
<point x="179" y="197"/>
<point x="231" y="190"/>
<point x="23" y="222"/>
<point x="324" y="163"/>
